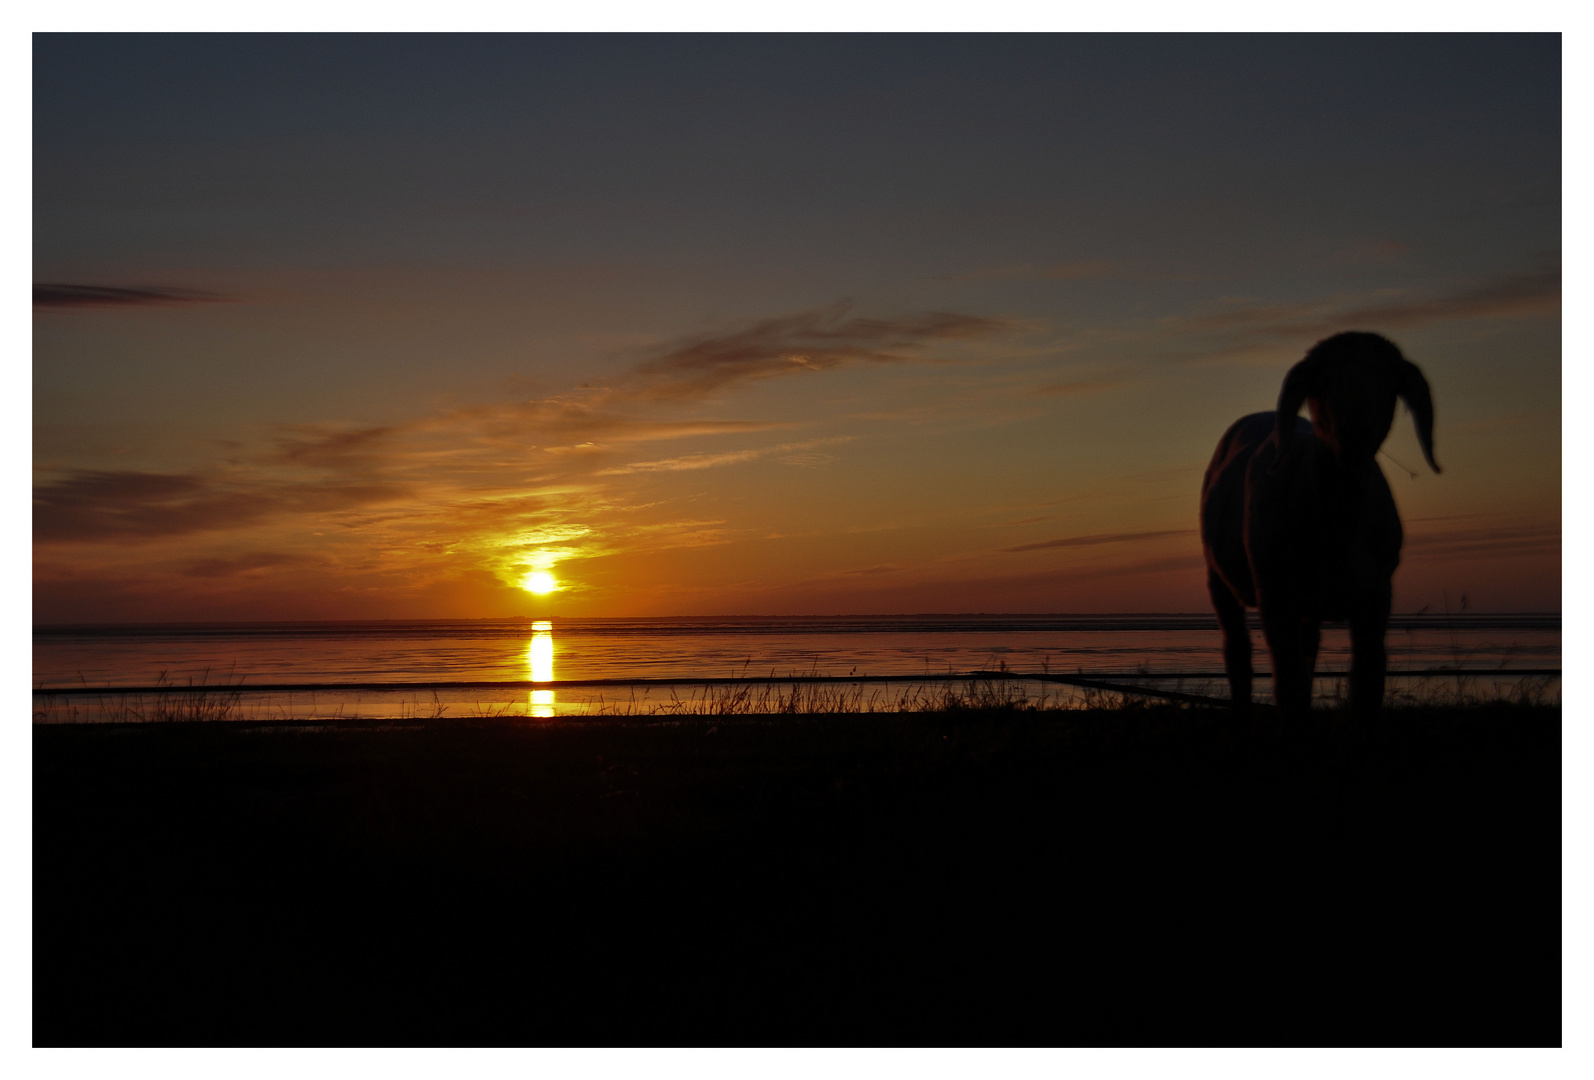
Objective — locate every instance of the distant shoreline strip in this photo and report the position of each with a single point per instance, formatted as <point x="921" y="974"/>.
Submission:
<point x="1101" y="681"/>
<point x="771" y="625"/>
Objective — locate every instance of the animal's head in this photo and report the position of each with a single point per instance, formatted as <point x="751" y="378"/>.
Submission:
<point x="1350" y="382"/>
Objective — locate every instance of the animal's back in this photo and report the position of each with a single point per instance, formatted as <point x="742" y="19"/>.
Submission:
<point x="1223" y="500"/>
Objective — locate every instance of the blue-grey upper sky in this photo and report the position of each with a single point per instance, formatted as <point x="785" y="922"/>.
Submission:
<point x="907" y="152"/>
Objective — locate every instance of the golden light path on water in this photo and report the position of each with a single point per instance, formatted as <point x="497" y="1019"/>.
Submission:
<point x="539" y="658"/>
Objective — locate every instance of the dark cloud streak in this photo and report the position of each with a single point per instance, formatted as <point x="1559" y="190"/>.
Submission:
<point x="1073" y="271"/>
<point x="95" y="506"/>
<point x="1101" y="538"/>
<point x="1515" y="540"/>
<point x="244" y="564"/>
<point x="1072" y="389"/>
<point x="1506" y="296"/>
<point x="57" y="295"/>
<point x="332" y="450"/>
<point x="1509" y="295"/>
<point x="816" y="340"/>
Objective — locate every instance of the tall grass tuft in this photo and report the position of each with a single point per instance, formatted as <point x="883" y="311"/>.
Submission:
<point x="188" y="705"/>
<point x="818" y="699"/>
<point x="975" y="694"/>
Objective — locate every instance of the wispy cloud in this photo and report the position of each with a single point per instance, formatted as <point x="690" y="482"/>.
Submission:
<point x="1101" y="538"/>
<point x="1076" y="388"/>
<point x="254" y="562"/>
<point x="815" y="340"/>
<point x="60" y="295"/>
<point x="560" y="424"/>
<point x="485" y="490"/>
<point x="1536" y="291"/>
<point x="732" y="457"/>
<point x="1370" y="252"/>
<point x="90" y="505"/>
<point x="1069" y="271"/>
<point x="1455" y="538"/>
<point x="314" y="445"/>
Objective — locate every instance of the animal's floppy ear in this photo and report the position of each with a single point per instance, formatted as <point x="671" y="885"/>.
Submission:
<point x="1413" y="390"/>
<point x="1297" y="385"/>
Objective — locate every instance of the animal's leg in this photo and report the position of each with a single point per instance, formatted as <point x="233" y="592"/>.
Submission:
<point x="1368" y="659"/>
<point x="1236" y="643"/>
<point x="1287" y="635"/>
<point x="1311" y="634"/>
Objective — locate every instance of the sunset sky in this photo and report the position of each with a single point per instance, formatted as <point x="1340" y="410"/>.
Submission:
<point x="376" y="327"/>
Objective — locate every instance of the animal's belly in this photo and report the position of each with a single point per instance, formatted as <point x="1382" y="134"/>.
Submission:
<point x="1340" y="587"/>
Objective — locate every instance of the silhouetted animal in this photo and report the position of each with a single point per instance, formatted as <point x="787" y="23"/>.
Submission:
<point x="1297" y="519"/>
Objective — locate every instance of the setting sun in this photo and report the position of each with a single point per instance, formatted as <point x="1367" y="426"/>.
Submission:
<point x="540" y="582"/>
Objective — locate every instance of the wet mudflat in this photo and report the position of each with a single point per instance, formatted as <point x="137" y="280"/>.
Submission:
<point x="1142" y="876"/>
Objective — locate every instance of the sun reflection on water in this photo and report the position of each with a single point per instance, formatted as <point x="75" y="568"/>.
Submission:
<point x="539" y="658"/>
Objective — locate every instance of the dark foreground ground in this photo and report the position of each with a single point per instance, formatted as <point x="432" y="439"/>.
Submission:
<point x="1136" y="877"/>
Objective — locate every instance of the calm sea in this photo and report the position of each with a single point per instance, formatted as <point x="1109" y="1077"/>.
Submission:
<point x="409" y="658"/>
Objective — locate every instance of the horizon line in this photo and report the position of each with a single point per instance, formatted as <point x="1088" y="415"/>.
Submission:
<point x="1252" y="615"/>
